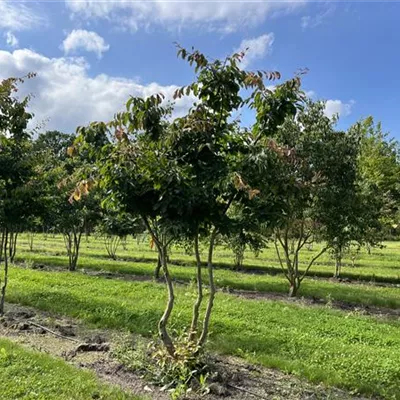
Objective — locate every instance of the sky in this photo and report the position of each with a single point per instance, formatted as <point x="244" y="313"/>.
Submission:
<point x="91" y="55"/>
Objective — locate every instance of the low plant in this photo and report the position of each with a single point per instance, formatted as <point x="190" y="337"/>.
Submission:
<point x="187" y="372"/>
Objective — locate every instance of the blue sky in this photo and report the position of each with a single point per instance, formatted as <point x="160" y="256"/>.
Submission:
<point x="90" y="55"/>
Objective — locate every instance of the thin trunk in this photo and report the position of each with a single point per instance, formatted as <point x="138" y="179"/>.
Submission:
<point x="12" y="245"/>
<point x="76" y="245"/>
<point x="210" y="267"/>
<point x="158" y="267"/>
<point x="294" y="287"/>
<point x="162" y="324"/>
<point x="31" y="236"/>
<point x="5" y="280"/>
<point x="197" y="304"/>
<point x="112" y="242"/>
<point x="3" y="235"/>
<point x="338" y="267"/>
<point x="72" y="242"/>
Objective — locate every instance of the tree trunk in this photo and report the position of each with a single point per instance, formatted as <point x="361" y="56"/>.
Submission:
<point x="13" y="236"/>
<point x="3" y="235"/>
<point x="5" y="280"/>
<point x="197" y="304"/>
<point x="31" y="236"/>
<point x="294" y="287"/>
<point x="158" y="268"/>
<point x="162" y="324"/>
<point x="210" y="267"/>
<point x="112" y="242"/>
<point x="338" y="265"/>
<point x="72" y="242"/>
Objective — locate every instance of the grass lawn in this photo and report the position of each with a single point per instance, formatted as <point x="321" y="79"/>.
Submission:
<point x="362" y="294"/>
<point x="344" y="349"/>
<point x="29" y="375"/>
<point x="382" y="265"/>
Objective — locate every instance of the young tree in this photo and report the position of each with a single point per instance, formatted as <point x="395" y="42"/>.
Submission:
<point x="182" y="176"/>
<point x="114" y="227"/>
<point x="318" y="176"/>
<point x="18" y="187"/>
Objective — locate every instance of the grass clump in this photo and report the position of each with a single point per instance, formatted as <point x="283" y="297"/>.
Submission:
<point x="29" y="375"/>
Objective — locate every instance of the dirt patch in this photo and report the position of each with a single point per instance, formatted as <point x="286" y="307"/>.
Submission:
<point x="232" y="378"/>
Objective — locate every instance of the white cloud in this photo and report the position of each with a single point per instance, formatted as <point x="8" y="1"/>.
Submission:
<point x="66" y="96"/>
<point x="11" y="39"/>
<point x="18" y="16"/>
<point x="80" y="39"/>
<point x="333" y="107"/>
<point x="224" y="16"/>
<point x="257" y="48"/>
<point x="309" y="21"/>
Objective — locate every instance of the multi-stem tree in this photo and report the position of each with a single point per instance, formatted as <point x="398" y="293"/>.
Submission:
<point x="182" y="176"/>
<point x="318" y="175"/>
<point x="114" y="226"/>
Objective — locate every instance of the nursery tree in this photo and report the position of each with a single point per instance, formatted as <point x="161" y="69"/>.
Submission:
<point x="318" y="177"/>
<point x="182" y="176"/>
<point x="18" y="187"/>
<point x="114" y="226"/>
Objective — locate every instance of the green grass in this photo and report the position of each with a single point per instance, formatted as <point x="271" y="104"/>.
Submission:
<point x="348" y="350"/>
<point x="382" y="265"/>
<point x="367" y="295"/>
<point x="30" y="375"/>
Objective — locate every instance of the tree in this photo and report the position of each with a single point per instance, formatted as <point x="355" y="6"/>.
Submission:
<point x="18" y="186"/>
<point x="73" y="218"/>
<point x="378" y="172"/>
<point x="182" y="176"/>
<point x="317" y="179"/>
<point x="114" y="227"/>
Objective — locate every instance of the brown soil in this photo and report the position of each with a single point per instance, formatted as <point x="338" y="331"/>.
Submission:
<point x="232" y="378"/>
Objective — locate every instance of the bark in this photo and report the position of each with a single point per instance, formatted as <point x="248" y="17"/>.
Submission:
<point x="112" y="242"/>
<point x="31" y="236"/>
<point x="162" y="246"/>
<point x="13" y="236"/>
<point x="210" y="268"/>
<point x="72" y="242"/>
<point x="162" y="324"/>
<point x="158" y="268"/>
<point x="196" y="307"/>
<point x="338" y="266"/>
<point x="5" y="279"/>
<point x="3" y="235"/>
<point x="294" y="287"/>
<point x="291" y="251"/>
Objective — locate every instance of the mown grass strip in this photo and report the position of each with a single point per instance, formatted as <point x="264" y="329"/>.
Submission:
<point x="25" y="374"/>
<point x="356" y="352"/>
<point x="380" y="266"/>
<point x="366" y="295"/>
